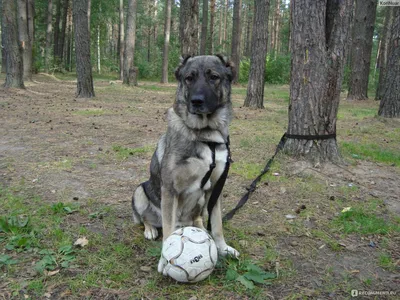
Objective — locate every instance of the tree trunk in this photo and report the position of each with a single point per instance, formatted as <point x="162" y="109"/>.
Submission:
<point x="82" y="49"/>
<point x="49" y="30"/>
<point x="3" y="50"/>
<point x="210" y="44"/>
<point x="167" y="32"/>
<point x="89" y="13"/>
<point x="188" y="29"/>
<point x="69" y="40"/>
<point x="14" y="65"/>
<point x="63" y="30"/>
<point x="247" y="48"/>
<point x="276" y="27"/>
<point x="383" y="53"/>
<point x="320" y="31"/>
<point x="24" y="39"/>
<point x="204" y="25"/>
<point x="130" y="41"/>
<point x="259" y="41"/>
<point x="98" y="50"/>
<point x="30" y="10"/>
<point x="390" y="103"/>
<point x="235" y="52"/>
<point x="225" y="29"/>
<point x="57" y="34"/>
<point x="363" y="31"/>
<point x="121" y="38"/>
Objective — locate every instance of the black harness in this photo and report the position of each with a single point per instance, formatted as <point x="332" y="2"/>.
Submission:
<point x="221" y="180"/>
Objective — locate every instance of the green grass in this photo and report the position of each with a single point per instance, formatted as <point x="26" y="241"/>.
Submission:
<point x="370" y="151"/>
<point x="359" y="220"/>
<point x="125" y="152"/>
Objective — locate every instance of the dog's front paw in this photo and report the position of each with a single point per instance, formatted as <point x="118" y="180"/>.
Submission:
<point x="228" y="250"/>
<point x="161" y="265"/>
<point x="150" y="232"/>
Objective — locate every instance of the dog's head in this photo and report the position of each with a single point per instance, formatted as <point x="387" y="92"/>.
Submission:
<point x="204" y="86"/>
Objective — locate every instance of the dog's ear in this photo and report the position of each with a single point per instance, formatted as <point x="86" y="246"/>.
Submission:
<point x="231" y="70"/>
<point x="183" y="59"/>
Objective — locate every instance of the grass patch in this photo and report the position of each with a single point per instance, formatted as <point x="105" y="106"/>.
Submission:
<point x="370" y="151"/>
<point x="90" y="112"/>
<point x="357" y="220"/>
<point x="125" y="152"/>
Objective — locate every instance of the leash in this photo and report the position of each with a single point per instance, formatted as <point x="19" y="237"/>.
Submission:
<point x="267" y="167"/>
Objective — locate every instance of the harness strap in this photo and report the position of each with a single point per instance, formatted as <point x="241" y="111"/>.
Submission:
<point x="212" y="165"/>
<point x="219" y="185"/>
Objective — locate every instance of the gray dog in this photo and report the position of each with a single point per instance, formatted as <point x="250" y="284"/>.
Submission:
<point x="191" y="156"/>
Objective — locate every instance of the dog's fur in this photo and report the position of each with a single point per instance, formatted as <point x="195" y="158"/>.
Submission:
<point x="173" y="196"/>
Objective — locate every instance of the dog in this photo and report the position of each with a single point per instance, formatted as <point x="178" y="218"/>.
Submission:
<point x="191" y="156"/>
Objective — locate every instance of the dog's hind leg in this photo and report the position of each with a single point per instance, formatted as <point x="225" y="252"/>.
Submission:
<point x="144" y="214"/>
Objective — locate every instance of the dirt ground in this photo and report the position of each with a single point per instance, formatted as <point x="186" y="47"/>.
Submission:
<point x="64" y="149"/>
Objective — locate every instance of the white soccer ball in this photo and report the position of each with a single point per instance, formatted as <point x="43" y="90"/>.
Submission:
<point x="191" y="254"/>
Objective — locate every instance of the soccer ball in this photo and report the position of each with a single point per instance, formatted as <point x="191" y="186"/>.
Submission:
<point x="191" y="254"/>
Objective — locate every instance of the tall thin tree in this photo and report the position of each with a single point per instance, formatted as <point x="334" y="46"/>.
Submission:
<point x="49" y="30"/>
<point x="167" y="32"/>
<point x="383" y="52"/>
<point x="363" y="31"/>
<point x="204" y="26"/>
<point x="255" y="87"/>
<point x="320" y="34"/>
<point x="210" y="43"/>
<point x="24" y="39"/>
<point x="130" y="38"/>
<point x="188" y="27"/>
<point x="236" y="34"/>
<point x="390" y="103"/>
<point x="82" y="49"/>
<point x="14" y="64"/>
<point x="121" y="38"/>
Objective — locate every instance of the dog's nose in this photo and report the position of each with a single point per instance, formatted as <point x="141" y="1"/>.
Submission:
<point x="197" y="100"/>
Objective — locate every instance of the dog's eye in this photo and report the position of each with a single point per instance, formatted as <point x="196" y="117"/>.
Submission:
<point x="214" y="77"/>
<point x="189" y="78"/>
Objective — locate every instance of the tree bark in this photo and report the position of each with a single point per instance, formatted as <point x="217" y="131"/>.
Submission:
<point x="276" y="27"/>
<point x="3" y="50"/>
<point x="130" y="39"/>
<point x="69" y="40"/>
<point x="30" y="10"/>
<point x="320" y="31"/>
<point x="121" y="38"/>
<point x="225" y="29"/>
<point x="167" y="32"/>
<point x="235" y="52"/>
<point x="204" y="25"/>
<point x="63" y="30"/>
<point x="49" y="30"/>
<point x="210" y="43"/>
<point x="383" y="53"/>
<point x="255" y="87"/>
<point x="247" y="48"/>
<point x="188" y="28"/>
<point x="363" y="31"/>
<point x="24" y="39"/>
<point x="14" y="64"/>
<point x="57" y="34"/>
<point x="82" y="49"/>
<point x="390" y="103"/>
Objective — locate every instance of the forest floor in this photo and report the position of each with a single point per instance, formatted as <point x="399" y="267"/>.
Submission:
<point x="68" y="168"/>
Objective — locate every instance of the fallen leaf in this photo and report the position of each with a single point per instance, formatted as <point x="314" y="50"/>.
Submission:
<point x="52" y="273"/>
<point x="82" y="242"/>
<point x="346" y="209"/>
